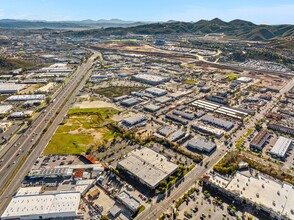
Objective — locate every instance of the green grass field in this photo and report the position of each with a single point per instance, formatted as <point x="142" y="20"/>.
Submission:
<point x="190" y="81"/>
<point x="77" y="133"/>
<point x="232" y="76"/>
<point x="62" y="143"/>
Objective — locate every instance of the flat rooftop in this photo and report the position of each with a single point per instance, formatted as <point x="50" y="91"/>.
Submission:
<point x="281" y="146"/>
<point x="274" y="195"/>
<point x="42" y="205"/>
<point x="149" y="166"/>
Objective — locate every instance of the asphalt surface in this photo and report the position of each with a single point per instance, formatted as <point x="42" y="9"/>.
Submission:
<point x="157" y="209"/>
<point x="20" y="155"/>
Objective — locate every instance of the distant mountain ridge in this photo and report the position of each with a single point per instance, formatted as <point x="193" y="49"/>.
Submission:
<point x="84" y="24"/>
<point x="237" y="28"/>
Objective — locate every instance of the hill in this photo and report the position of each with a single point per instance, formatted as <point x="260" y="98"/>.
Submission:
<point x="237" y="28"/>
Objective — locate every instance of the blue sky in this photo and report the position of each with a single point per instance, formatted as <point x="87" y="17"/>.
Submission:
<point x="257" y="11"/>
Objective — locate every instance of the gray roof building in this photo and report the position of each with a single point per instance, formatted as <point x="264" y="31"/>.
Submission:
<point x="148" y="166"/>
<point x="217" y="122"/>
<point x="202" y="145"/>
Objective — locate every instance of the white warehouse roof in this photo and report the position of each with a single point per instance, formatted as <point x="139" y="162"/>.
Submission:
<point x="47" y="206"/>
<point x="281" y="146"/>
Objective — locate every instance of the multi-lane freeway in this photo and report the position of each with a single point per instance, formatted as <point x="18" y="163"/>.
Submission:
<point x="156" y="210"/>
<point x="19" y="156"/>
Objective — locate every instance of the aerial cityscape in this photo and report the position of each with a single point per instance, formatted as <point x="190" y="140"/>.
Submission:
<point x="146" y="110"/>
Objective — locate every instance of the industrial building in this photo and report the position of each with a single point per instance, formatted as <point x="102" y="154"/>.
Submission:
<point x="165" y="130"/>
<point x="147" y="166"/>
<point x="5" y="109"/>
<point x="151" y="79"/>
<point x="50" y="172"/>
<point x="129" y="102"/>
<point x="43" y="206"/>
<point x="163" y="99"/>
<point x="129" y="201"/>
<point x="152" y="108"/>
<point x="244" y="79"/>
<point x="218" y="99"/>
<point x="47" y="88"/>
<point x="19" y="98"/>
<point x="218" y="133"/>
<point x="134" y="120"/>
<point x="10" y="88"/>
<point x="176" y="119"/>
<point x="177" y="135"/>
<point x="183" y="114"/>
<point x="259" y="140"/>
<point x="217" y="122"/>
<point x="281" y="128"/>
<point x="156" y="91"/>
<point x="202" y="145"/>
<point x="281" y="147"/>
<point x="217" y="108"/>
<point x="260" y="191"/>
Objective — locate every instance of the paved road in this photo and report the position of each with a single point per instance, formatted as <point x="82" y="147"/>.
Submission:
<point x="156" y="210"/>
<point x="27" y="146"/>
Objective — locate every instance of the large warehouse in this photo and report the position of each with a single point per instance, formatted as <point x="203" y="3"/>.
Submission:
<point x="11" y="88"/>
<point x="217" y="122"/>
<point x="43" y="206"/>
<point x="150" y="79"/>
<point x="134" y="120"/>
<point x="148" y="166"/>
<point x="202" y="145"/>
<point x="156" y="91"/>
<point x="281" y="147"/>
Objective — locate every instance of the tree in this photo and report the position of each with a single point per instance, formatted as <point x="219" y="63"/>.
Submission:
<point x="48" y="100"/>
<point x="104" y="217"/>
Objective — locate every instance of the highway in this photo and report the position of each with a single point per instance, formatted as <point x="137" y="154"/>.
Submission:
<point x="19" y="156"/>
<point x="157" y="209"/>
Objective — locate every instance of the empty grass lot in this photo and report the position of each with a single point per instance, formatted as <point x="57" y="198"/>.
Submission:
<point x="116" y="91"/>
<point x="83" y="129"/>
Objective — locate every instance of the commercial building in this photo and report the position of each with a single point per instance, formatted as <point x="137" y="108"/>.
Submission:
<point x="156" y="91"/>
<point x="217" y="122"/>
<point x="129" y="201"/>
<point x="218" y="133"/>
<point x="43" y="206"/>
<point x="281" y="128"/>
<point x="147" y="166"/>
<point x="151" y="79"/>
<point x="19" y="98"/>
<point x="202" y="145"/>
<point x="10" y="88"/>
<point x="206" y="105"/>
<point x="259" y="140"/>
<point x="129" y="102"/>
<point x="134" y="120"/>
<point x="281" y="147"/>
<point x="260" y="191"/>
